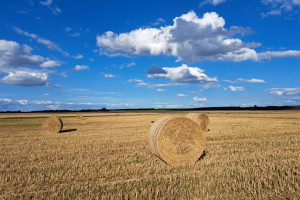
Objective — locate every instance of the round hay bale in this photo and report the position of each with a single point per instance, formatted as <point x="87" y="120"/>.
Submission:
<point x="53" y="116"/>
<point x="52" y="125"/>
<point x="201" y="119"/>
<point x="177" y="140"/>
<point x="79" y="116"/>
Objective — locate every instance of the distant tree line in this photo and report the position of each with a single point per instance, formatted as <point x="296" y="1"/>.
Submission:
<point x="140" y="109"/>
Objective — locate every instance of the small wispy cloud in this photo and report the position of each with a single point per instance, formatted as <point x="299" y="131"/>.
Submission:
<point x="159" y="21"/>
<point x="80" y="67"/>
<point x="49" y="3"/>
<point x="128" y="65"/>
<point x="75" y="34"/>
<point x="79" y="56"/>
<point x="50" y="63"/>
<point x="160" y="90"/>
<point x="236" y="89"/>
<point x="211" y="2"/>
<point x="228" y="81"/>
<point x="49" y="44"/>
<point x="210" y="86"/>
<point x="200" y="99"/>
<point x="141" y="83"/>
<point x="46" y="3"/>
<point x="135" y="80"/>
<point x="109" y="76"/>
<point x="253" y="80"/>
<point x="279" y="7"/>
<point x="283" y="91"/>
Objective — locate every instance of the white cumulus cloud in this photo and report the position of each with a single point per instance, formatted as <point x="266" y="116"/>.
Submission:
<point x="50" y="63"/>
<point x="15" y="60"/>
<point x="25" y="78"/>
<point x="180" y="74"/>
<point x="12" y="54"/>
<point x="190" y="39"/>
<point x="180" y="95"/>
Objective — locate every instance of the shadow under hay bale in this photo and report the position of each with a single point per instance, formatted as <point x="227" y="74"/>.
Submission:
<point x="202" y="156"/>
<point x="201" y="119"/>
<point x="52" y="125"/>
<point x="68" y="130"/>
<point x="177" y="140"/>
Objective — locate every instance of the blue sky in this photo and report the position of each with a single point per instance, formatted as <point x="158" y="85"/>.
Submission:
<point x="73" y="54"/>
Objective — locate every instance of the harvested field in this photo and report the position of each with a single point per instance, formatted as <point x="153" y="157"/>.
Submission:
<point x="249" y="155"/>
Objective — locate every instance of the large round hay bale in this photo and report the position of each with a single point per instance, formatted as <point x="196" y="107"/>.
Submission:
<point x="177" y="140"/>
<point x="201" y="119"/>
<point x="79" y="116"/>
<point x="52" y="125"/>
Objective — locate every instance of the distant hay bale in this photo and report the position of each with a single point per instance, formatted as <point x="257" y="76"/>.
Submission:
<point x="79" y="116"/>
<point x="201" y="119"/>
<point x="53" y="116"/>
<point x="177" y="140"/>
<point x="52" y="125"/>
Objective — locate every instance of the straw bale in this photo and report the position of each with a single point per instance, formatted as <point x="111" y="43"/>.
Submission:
<point x="52" y="125"/>
<point x="201" y="119"/>
<point x="177" y="140"/>
<point x="79" y="116"/>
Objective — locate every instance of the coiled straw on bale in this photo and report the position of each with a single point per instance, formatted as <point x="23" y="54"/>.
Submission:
<point x="52" y="125"/>
<point x="201" y="119"/>
<point x="177" y="140"/>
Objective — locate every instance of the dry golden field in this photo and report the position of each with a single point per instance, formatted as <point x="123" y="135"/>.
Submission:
<point x="249" y="155"/>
